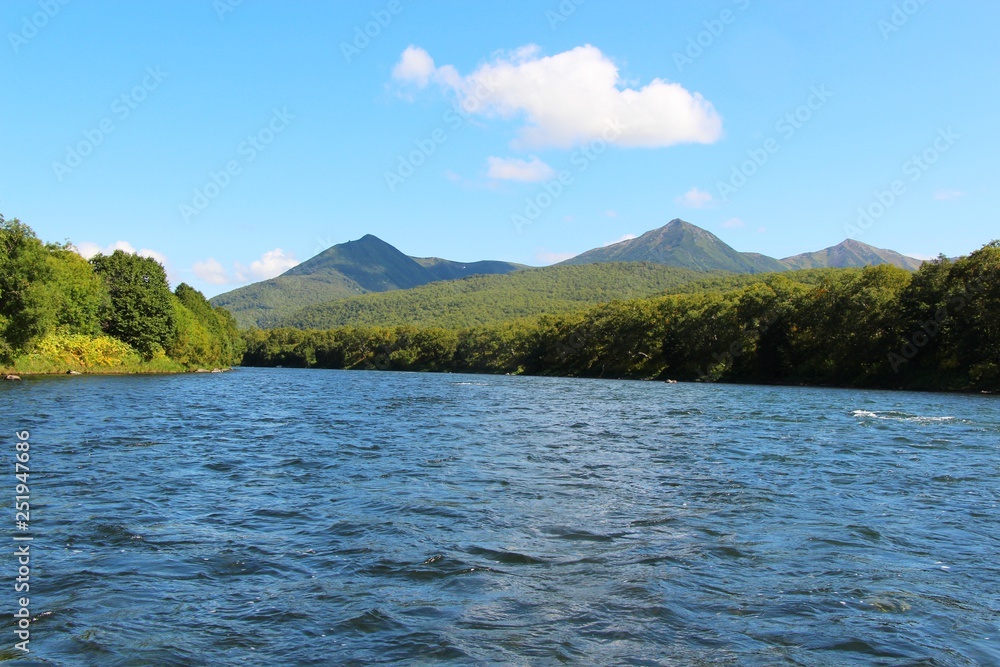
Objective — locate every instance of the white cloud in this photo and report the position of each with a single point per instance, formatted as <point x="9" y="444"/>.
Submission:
<point x="546" y="257"/>
<point x="570" y="98"/>
<point x="734" y="223"/>
<point x="415" y="65"/>
<point x="88" y="249"/>
<point x="611" y="214"/>
<point x="626" y="237"/>
<point x="695" y="198"/>
<point x="211" y="271"/>
<point x="515" y="169"/>
<point x="272" y="263"/>
<point x="948" y="195"/>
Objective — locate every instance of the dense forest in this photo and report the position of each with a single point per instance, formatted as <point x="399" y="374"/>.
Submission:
<point x="115" y="313"/>
<point x="936" y="328"/>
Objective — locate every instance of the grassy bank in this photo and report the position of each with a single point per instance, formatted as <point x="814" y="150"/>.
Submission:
<point x="64" y="353"/>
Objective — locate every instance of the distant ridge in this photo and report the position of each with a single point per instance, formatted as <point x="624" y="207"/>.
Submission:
<point x="370" y="265"/>
<point x="366" y="265"/>
<point x="681" y="244"/>
<point x="850" y="253"/>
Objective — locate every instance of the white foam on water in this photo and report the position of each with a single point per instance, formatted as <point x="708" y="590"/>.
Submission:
<point x="899" y="416"/>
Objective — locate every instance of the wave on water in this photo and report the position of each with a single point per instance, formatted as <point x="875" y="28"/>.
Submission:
<point x="899" y="416"/>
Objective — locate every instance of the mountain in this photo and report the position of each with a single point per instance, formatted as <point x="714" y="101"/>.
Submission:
<point x="321" y="291"/>
<point x="848" y="254"/>
<point x="683" y="245"/>
<point x="344" y="270"/>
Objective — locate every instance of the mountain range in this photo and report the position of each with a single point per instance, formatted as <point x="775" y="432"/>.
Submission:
<point x="370" y="265"/>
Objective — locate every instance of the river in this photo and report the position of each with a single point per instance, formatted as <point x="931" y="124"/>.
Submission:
<point x="315" y="517"/>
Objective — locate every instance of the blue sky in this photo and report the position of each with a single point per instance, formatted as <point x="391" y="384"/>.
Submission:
<point x="232" y="139"/>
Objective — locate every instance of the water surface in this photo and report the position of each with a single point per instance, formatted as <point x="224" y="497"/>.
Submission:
<point x="310" y="517"/>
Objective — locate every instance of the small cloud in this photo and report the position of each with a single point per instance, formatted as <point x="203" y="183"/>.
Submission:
<point x="626" y="237"/>
<point x="948" y="195"/>
<point x="210" y="271"/>
<point x="734" y="223"/>
<point x="452" y="176"/>
<point x="611" y="214"/>
<point x="568" y="218"/>
<point x="515" y="169"/>
<point x="272" y="263"/>
<point x="921" y="256"/>
<point x="695" y="198"/>
<point x="415" y="66"/>
<point x="88" y="249"/>
<point x="546" y="257"/>
<point x="762" y="230"/>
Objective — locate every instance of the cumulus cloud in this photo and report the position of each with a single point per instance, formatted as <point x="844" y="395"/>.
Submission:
<point x="271" y="264"/>
<point x="948" y="195"/>
<point x="415" y="66"/>
<point x="88" y="249"/>
<point x="695" y="198"/>
<point x="569" y="99"/>
<point x="734" y="223"/>
<point x="211" y="271"/>
<point x="532" y="170"/>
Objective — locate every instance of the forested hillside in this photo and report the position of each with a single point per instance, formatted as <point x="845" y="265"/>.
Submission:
<point x="490" y="299"/>
<point x="114" y="313"/>
<point x="937" y="328"/>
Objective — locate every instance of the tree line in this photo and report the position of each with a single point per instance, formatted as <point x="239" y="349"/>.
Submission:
<point x="882" y="326"/>
<point x="54" y="300"/>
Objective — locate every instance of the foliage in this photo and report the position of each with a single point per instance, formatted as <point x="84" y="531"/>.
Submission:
<point x="880" y="326"/>
<point x="25" y="311"/>
<point x="485" y="300"/>
<point x="204" y="335"/>
<point x="59" y="312"/>
<point x="62" y="352"/>
<point x="141" y="312"/>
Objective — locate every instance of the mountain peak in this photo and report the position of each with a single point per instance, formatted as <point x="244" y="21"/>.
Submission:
<point x="682" y="244"/>
<point x="850" y="253"/>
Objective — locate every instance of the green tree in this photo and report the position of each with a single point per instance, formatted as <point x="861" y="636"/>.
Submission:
<point x="26" y="311"/>
<point x="141" y="312"/>
<point x="78" y="297"/>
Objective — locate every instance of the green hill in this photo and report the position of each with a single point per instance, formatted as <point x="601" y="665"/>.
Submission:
<point x="348" y="269"/>
<point x="851" y="253"/>
<point x="684" y="245"/>
<point x="498" y="298"/>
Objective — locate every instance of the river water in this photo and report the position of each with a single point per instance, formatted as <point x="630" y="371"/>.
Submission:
<point x="313" y="517"/>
